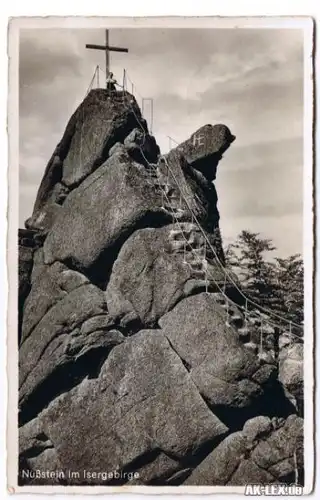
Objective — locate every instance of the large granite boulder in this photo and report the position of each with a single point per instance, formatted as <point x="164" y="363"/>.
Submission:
<point x="204" y="149"/>
<point x="27" y="248"/>
<point x="235" y="383"/>
<point x="264" y="452"/>
<point x="135" y="356"/>
<point x="98" y="123"/>
<point x="155" y="269"/>
<point x="142" y="413"/>
<point x="101" y="213"/>
<point x="52" y="284"/>
<point x="37" y="456"/>
<point x="291" y="364"/>
<point x="56" y="353"/>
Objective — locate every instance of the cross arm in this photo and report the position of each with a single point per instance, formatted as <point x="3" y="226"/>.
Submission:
<point x="92" y="46"/>
<point x="105" y="47"/>
<point x="117" y="49"/>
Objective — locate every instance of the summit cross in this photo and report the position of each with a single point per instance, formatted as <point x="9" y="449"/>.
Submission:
<point x="107" y="48"/>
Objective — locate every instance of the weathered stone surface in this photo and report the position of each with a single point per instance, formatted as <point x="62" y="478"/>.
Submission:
<point x="141" y="146"/>
<point x="205" y="147"/>
<point x="189" y="190"/>
<point x="26" y="251"/>
<point x="222" y="369"/>
<point x="102" y="212"/>
<point x="155" y="269"/>
<point x="38" y="264"/>
<point x="257" y="428"/>
<point x="272" y="456"/>
<point x="158" y="471"/>
<point x="36" y="453"/>
<point x="121" y="252"/>
<point x="57" y="342"/>
<point x="142" y="402"/>
<point x="291" y="372"/>
<point x="101" y="122"/>
<point x="46" y="206"/>
<point x="25" y="269"/>
<point x="97" y="124"/>
<point x="53" y="284"/>
<point x="27" y="248"/>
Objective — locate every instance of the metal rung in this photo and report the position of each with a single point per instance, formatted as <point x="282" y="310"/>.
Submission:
<point x="220" y="299"/>
<point x="224" y="306"/>
<point x="254" y="321"/>
<point x="175" y="232"/>
<point x="196" y="264"/>
<point x="252" y="346"/>
<point x="244" y="331"/>
<point x="173" y="209"/>
<point x="196" y="272"/>
<point x="236" y="317"/>
<point x="236" y="320"/>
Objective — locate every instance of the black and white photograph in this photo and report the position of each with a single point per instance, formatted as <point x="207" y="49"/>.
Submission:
<point x="164" y="295"/>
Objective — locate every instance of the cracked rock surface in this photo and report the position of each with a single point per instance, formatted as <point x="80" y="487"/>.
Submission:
<point x="129" y="358"/>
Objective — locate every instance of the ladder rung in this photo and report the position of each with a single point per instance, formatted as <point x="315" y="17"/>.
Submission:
<point x="197" y="272"/>
<point x="251" y="345"/>
<point x="254" y="321"/>
<point x="220" y="299"/>
<point x="244" y="331"/>
<point x="236" y="320"/>
<point x="224" y="306"/>
<point x="173" y="210"/>
<point x="195" y="264"/>
<point x="175" y="232"/>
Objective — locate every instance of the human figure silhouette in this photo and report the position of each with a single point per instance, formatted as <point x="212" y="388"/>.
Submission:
<point x="111" y="83"/>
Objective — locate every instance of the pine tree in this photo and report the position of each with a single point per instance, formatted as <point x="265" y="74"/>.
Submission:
<point x="246" y="258"/>
<point x="274" y="283"/>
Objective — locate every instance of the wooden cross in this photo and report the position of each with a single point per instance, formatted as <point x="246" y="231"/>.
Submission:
<point x="107" y="48"/>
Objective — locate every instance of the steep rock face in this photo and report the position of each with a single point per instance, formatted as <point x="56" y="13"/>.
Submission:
<point x="122" y="196"/>
<point x="231" y="378"/>
<point x="291" y="372"/>
<point x="133" y="358"/>
<point x="26" y="249"/>
<point x="155" y="269"/>
<point x="59" y="341"/>
<point x="102" y="212"/>
<point x="264" y="452"/>
<point x="204" y="149"/>
<point x="143" y="408"/>
<point x="52" y="284"/>
<point x="99" y="122"/>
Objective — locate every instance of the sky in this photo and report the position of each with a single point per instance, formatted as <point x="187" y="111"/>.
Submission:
<point x="249" y="79"/>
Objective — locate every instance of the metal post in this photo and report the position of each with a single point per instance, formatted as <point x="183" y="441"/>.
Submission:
<point x="98" y="74"/>
<point x="224" y="283"/>
<point x="124" y="83"/>
<point x="261" y="337"/>
<point x="151" y="124"/>
<point x="107" y="54"/>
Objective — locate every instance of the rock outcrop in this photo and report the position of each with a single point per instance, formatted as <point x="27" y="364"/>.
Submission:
<point x="136" y="356"/>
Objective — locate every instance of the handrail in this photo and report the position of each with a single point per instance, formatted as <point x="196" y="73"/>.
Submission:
<point x="248" y="300"/>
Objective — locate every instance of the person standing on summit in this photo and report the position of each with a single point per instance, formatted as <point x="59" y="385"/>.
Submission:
<point x="111" y="83"/>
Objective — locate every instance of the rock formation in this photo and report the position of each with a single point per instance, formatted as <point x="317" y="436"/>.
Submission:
<point x="135" y="352"/>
